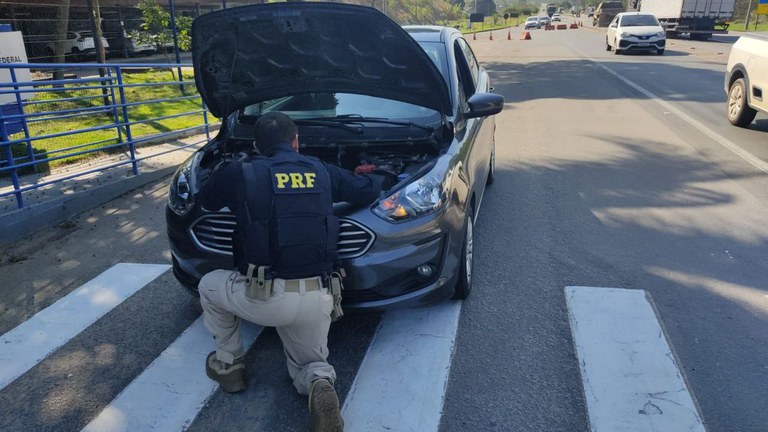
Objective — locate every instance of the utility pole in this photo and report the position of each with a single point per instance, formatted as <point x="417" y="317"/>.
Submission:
<point x="95" y="17"/>
<point x="749" y="12"/>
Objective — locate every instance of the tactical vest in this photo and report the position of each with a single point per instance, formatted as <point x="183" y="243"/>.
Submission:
<point x="287" y="219"/>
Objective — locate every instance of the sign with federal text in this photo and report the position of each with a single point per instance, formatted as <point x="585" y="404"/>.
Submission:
<point x="12" y="51"/>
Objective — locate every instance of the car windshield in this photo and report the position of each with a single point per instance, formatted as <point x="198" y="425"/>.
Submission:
<point x="638" y="21"/>
<point x="325" y="105"/>
<point x="436" y="53"/>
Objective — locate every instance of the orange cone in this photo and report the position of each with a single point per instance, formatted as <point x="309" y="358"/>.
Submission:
<point x="491" y="35"/>
<point x="509" y="35"/>
<point x="525" y="36"/>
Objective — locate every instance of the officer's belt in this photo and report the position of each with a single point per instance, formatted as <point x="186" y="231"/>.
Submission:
<point x="293" y="285"/>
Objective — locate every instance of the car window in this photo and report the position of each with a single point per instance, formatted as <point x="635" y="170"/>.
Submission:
<point x="436" y="53"/>
<point x="638" y="21"/>
<point x="465" y="76"/>
<point x="474" y="66"/>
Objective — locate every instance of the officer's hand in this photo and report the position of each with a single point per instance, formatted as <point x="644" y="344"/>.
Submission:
<point x="365" y="169"/>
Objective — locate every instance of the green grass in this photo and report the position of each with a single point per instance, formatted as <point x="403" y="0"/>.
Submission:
<point x="761" y="26"/>
<point x="55" y="124"/>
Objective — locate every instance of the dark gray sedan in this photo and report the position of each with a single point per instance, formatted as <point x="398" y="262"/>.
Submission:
<point x="414" y="102"/>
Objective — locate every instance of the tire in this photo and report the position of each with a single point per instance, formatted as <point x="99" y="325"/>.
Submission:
<point x="492" y="165"/>
<point x="739" y="112"/>
<point x="660" y="52"/>
<point x="607" y="45"/>
<point x="464" y="284"/>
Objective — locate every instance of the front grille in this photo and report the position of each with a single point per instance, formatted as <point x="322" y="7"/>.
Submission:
<point x="213" y="233"/>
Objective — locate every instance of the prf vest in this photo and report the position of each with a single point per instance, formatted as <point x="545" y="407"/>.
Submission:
<point x="287" y="221"/>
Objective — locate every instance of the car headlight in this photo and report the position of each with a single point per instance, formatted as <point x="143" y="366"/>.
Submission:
<point x="660" y="34"/>
<point x="422" y="197"/>
<point x="181" y="195"/>
<point x="625" y="35"/>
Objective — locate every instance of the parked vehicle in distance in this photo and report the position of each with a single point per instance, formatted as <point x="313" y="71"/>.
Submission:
<point x="78" y="43"/>
<point x="413" y="101"/>
<point x="556" y="17"/>
<point x="605" y="13"/>
<point x="700" y="19"/>
<point x="635" y="31"/>
<point x="746" y="78"/>
<point x="532" y="23"/>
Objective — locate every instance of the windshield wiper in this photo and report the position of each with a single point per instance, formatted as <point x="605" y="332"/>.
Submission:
<point x="329" y="123"/>
<point x="356" y="118"/>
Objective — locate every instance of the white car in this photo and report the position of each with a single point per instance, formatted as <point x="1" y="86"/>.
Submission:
<point x="635" y="31"/>
<point x="532" y="22"/>
<point x="77" y="43"/>
<point x="556" y="17"/>
<point x="746" y="78"/>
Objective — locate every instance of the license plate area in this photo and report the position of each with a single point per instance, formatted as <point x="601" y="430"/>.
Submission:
<point x="643" y="44"/>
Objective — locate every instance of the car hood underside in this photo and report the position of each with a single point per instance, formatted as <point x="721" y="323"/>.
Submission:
<point x="260" y="52"/>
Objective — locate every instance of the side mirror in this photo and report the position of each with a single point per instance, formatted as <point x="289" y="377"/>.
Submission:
<point x="484" y="104"/>
<point x="613" y="25"/>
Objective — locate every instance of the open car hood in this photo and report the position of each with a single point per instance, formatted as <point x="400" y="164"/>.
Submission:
<point x="255" y="53"/>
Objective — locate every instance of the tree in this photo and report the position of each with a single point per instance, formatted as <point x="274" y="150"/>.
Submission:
<point x="155" y="27"/>
<point x="60" y="36"/>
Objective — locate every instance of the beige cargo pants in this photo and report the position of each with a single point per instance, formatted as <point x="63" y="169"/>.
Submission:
<point x="302" y="320"/>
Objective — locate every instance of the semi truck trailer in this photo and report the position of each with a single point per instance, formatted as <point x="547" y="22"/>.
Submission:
<point x="700" y="19"/>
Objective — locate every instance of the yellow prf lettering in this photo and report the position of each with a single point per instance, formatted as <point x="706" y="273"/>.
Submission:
<point x="297" y="180"/>
<point x="282" y="178"/>
<point x="310" y="178"/>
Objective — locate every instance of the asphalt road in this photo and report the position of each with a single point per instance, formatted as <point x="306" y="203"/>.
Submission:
<point x="600" y="182"/>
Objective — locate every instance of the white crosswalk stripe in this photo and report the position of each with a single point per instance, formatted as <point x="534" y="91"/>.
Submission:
<point x="404" y="373"/>
<point x="170" y="392"/>
<point x="32" y="341"/>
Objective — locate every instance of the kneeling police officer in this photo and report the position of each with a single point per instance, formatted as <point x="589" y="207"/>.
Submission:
<point x="285" y="254"/>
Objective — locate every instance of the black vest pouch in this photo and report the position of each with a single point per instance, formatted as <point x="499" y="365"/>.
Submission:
<point x="301" y="239"/>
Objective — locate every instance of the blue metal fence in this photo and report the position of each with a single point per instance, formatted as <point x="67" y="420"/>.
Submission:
<point x="96" y="111"/>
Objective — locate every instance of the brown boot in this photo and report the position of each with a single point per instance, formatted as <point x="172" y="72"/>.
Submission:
<point x="324" y="407"/>
<point x="231" y="377"/>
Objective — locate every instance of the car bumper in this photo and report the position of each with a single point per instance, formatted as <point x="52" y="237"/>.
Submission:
<point x="383" y="278"/>
<point x="633" y="44"/>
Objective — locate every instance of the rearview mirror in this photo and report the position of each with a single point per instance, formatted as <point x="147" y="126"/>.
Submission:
<point x="484" y="104"/>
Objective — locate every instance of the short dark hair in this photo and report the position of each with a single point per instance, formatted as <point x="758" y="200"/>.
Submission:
<point x="274" y="130"/>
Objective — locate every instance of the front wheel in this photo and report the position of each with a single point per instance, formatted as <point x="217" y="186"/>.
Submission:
<point x="607" y="45"/>
<point x="739" y="112"/>
<point x="464" y="284"/>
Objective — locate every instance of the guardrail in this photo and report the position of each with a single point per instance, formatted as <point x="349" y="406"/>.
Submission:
<point x="48" y="120"/>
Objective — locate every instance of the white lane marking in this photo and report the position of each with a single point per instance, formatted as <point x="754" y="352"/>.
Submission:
<point x="35" y="339"/>
<point x="401" y="383"/>
<point x="170" y="393"/>
<point x="631" y="379"/>
<point x="723" y="141"/>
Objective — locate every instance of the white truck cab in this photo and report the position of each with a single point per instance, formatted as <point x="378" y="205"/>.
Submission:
<point x="746" y="79"/>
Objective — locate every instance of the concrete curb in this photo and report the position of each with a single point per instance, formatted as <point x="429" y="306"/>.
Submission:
<point x="29" y="220"/>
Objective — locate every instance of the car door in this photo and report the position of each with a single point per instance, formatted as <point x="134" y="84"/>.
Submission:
<point x="613" y="27"/>
<point x="478" y="131"/>
<point x="757" y="68"/>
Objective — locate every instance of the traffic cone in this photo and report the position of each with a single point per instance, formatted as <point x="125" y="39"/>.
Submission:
<point x="491" y="35"/>
<point x="525" y="36"/>
<point x="509" y="35"/>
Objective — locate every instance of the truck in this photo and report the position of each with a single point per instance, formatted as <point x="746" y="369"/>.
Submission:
<point x="551" y="9"/>
<point x="746" y="77"/>
<point x="606" y="12"/>
<point x="700" y="19"/>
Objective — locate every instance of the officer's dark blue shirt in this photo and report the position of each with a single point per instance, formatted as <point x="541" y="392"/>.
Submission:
<point x="226" y="188"/>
